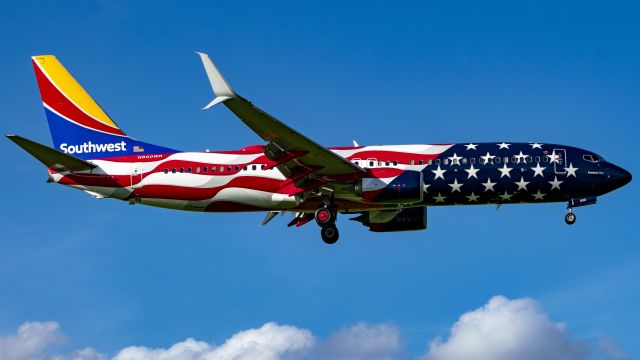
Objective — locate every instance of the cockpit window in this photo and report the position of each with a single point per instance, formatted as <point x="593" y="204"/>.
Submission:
<point x="592" y="158"/>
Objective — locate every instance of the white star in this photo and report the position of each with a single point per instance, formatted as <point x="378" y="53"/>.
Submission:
<point x="455" y="186"/>
<point x="439" y="198"/>
<point x="571" y="171"/>
<point x="503" y="146"/>
<point x="505" y="171"/>
<point x="472" y="197"/>
<point x="439" y="173"/>
<point x="426" y="188"/>
<point x="521" y="157"/>
<point x="538" y="170"/>
<point x="522" y="185"/>
<point x="505" y="196"/>
<point x="555" y="184"/>
<point x="455" y="159"/>
<point x="488" y="185"/>
<point x="554" y="158"/>
<point x="471" y="146"/>
<point x="536" y="146"/>
<point x="472" y="172"/>
<point x="538" y="196"/>
<point x="487" y="158"/>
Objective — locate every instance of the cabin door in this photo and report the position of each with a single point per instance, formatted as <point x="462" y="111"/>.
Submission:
<point x="560" y="161"/>
<point x="136" y="177"/>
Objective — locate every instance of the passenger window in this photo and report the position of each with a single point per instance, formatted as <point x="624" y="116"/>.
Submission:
<point x="506" y="159"/>
<point x="395" y="162"/>
<point x="263" y="166"/>
<point x="537" y="158"/>
<point x="236" y="168"/>
<point x="464" y="161"/>
<point x="173" y="170"/>
<point x="244" y="168"/>
<point x="419" y="162"/>
<point x="472" y="160"/>
<point x="205" y="169"/>
<point x="545" y="159"/>
<point x="222" y="168"/>
<point x="514" y="160"/>
<point x="181" y="170"/>
<point x="430" y="162"/>
<point x="410" y="162"/>
<point x="166" y="171"/>
<point x="445" y="161"/>
<point x="198" y="170"/>
<point x="496" y="160"/>
<point x="386" y="163"/>
<point x="189" y="170"/>
<point x="253" y="167"/>
<point x="437" y="161"/>
<point x="370" y="163"/>
<point x="529" y="159"/>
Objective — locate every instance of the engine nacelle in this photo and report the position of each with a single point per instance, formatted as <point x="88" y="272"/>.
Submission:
<point x="395" y="220"/>
<point x="406" y="188"/>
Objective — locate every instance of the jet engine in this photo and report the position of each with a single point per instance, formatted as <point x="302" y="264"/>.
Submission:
<point x="394" y="220"/>
<point x="406" y="188"/>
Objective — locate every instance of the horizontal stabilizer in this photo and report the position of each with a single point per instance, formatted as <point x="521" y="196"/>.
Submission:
<point x="52" y="158"/>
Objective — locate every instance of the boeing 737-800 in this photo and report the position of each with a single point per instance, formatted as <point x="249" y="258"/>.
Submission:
<point x="386" y="188"/>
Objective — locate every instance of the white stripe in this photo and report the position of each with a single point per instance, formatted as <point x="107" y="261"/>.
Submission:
<point x="86" y="127"/>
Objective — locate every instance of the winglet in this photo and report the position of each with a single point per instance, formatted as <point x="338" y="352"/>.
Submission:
<point x="221" y="88"/>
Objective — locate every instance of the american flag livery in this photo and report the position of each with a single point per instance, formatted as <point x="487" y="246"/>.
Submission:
<point x="386" y="188"/>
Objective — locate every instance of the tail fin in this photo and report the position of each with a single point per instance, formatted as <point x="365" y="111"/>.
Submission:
<point x="78" y="125"/>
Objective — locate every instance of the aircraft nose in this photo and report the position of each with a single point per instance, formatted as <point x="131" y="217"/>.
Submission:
<point x="619" y="176"/>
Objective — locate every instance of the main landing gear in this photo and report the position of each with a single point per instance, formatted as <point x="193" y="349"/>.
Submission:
<point x="326" y="218"/>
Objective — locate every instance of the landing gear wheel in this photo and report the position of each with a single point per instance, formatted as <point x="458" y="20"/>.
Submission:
<point x="324" y="216"/>
<point x="329" y="234"/>
<point x="570" y="218"/>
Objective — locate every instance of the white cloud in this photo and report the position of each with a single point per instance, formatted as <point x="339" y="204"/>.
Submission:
<point x="270" y="342"/>
<point x="363" y="341"/>
<point x="34" y="340"/>
<point x="507" y="329"/>
<point x="30" y="341"/>
<point x="501" y="329"/>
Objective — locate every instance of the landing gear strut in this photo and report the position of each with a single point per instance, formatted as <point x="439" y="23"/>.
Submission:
<point x="326" y="218"/>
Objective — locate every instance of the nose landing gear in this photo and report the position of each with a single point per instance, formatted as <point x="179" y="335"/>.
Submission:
<point x="570" y="217"/>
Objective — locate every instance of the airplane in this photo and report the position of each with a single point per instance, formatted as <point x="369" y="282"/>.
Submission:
<point x="385" y="188"/>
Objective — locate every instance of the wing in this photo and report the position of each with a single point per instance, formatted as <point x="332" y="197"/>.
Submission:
<point x="298" y="157"/>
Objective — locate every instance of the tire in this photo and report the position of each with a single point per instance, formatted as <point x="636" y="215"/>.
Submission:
<point x="324" y="216"/>
<point x="329" y="234"/>
<point x="570" y="218"/>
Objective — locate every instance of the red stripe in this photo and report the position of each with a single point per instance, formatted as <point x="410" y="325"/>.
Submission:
<point x="57" y="101"/>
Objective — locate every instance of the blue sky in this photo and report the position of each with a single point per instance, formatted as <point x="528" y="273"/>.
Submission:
<point x="114" y="275"/>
